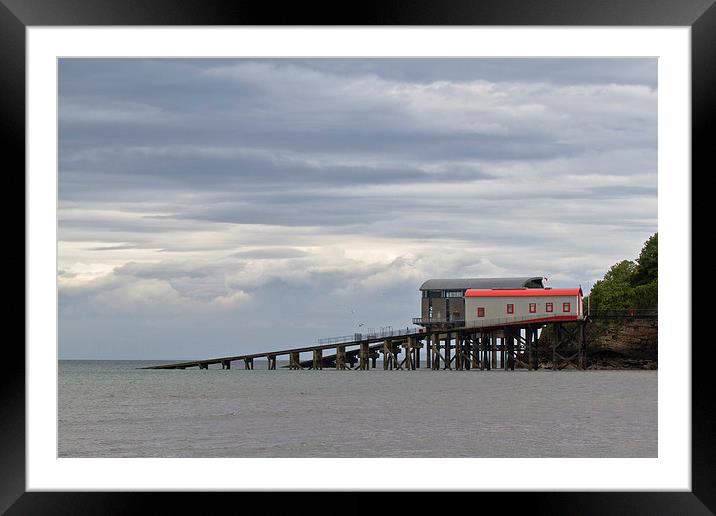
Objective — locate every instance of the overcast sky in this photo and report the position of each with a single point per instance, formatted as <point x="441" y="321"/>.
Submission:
<point x="211" y="207"/>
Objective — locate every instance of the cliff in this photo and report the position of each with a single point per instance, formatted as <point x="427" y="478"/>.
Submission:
<point x="627" y="344"/>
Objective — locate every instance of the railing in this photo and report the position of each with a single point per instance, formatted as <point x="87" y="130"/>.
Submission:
<point x="647" y="313"/>
<point x="436" y="320"/>
<point x="384" y="333"/>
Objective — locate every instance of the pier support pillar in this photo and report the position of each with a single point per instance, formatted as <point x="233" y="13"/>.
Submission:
<point x="294" y="361"/>
<point x="248" y="363"/>
<point x="448" y="351"/>
<point x="363" y="357"/>
<point x="503" y="354"/>
<point x="459" y="350"/>
<point x="317" y="359"/>
<point x="582" y="346"/>
<point x="410" y="348"/>
<point x="511" y="351"/>
<point x="530" y="349"/>
<point x="557" y="339"/>
<point x="341" y="358"/>
<point x="429" y="351"/>
<point x="387" y="355"/>
<point x="436" y="351"/>
<point x="474" y="351"/>
<point x="271" y="362"/>
<point x="493" y="345"/>
<point x="203" y="366"/>
<point x="226" y="364"/>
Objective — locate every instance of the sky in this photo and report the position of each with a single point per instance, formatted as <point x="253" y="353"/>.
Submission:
<point x="213" y="207"/>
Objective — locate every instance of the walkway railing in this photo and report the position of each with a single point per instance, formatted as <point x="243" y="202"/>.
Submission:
<point x="436" y="320"/>
<point x="368" y="335"/>
<point x="624" y="313"/>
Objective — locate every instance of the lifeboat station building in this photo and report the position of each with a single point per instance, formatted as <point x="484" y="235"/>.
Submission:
<point x="443" y="300"/>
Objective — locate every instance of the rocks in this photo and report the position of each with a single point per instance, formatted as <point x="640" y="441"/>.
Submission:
<point x="623" y="344"/>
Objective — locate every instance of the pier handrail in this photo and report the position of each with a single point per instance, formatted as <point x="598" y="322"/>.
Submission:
<point x="647" y="313"/>
<point x="441" y="320"/>
<point x="369" y="335"/>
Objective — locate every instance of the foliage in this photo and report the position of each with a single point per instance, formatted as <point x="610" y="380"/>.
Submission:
<point x="648" y="263"/>
<point x="629" y="284"/>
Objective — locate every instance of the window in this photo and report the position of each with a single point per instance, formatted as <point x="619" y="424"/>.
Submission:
<point x="510" y="308"/>
<point x="533" y="307"/>
<point x="565" y="307"/>
<point x="549" y="307"/>
<point x="481" y="311"/>
<point x="453" y="293"/>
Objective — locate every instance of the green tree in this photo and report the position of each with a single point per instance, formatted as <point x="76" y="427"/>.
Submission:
<point x="647" y="269"/>
<point x="615" y="291"/>
<point x="629" y="284"/>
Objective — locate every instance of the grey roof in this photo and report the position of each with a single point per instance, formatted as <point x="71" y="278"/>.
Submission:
<point x="465" y="283"/>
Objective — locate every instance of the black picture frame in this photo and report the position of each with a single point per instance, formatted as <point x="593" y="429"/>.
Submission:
<point x="16" y="15"/>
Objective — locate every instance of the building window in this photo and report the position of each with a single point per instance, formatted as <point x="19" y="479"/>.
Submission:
<point x="533" y="307"/>
<point x="453" y="293"/>
<point x="481" y="311"/>
<point x="510" y="308"/>
<point x="549" y="307"/>
<point x="565" y="307"/>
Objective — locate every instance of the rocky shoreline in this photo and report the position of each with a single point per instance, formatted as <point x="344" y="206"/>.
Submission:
<point x="629" y="344"/>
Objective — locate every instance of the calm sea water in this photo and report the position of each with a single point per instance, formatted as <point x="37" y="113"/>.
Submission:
<point x="113" y="409"/>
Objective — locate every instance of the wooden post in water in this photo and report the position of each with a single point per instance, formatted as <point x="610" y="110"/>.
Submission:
<point x="448" y="352"/>
<point x="557" y="338"/>
<point x="582" y="347"/>
<point x="226" y="364"/>
<point x="271" y="362"/>
<point x="248" y="363"/>
<point x="387" y="356"/>
<point x="203" y="365"/>
<point x="341" y="358"/>
<point x="474" y="352"/>
<point x="408" y="347"/>
<point x="458" y="351"/>
<point x="511" y="351"/>
<point x="428" y="351"/>
<point x="317" y="359"/>
<point x="530" y="349"/>
<point x="501" y="352"/>
<point x="294" y="361"/>
<point x="364" y="351"/>
<point x="419" y="345"/>
<point x="436" y="351"/>
<point x="493" y="344"/>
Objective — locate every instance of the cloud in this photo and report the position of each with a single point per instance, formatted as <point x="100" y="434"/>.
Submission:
<point x="201" y="198"/>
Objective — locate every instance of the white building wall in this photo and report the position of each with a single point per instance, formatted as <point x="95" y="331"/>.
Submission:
<point x="496" y="308"/>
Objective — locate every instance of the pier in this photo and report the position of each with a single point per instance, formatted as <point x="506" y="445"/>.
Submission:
<point x="439" y="345"/>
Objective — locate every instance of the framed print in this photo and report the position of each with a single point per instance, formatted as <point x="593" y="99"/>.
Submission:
<point x="209" y="188"/>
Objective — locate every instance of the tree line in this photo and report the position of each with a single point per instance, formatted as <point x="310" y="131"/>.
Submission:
<point x="629" y="283"/>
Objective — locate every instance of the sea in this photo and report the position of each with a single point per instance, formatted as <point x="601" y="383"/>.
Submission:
<point x="116" y="409"/>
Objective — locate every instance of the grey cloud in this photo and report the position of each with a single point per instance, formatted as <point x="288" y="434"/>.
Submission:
<point x="201" y="199"/>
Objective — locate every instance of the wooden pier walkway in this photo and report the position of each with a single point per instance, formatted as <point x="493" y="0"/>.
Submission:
<point x="498" y="344"/>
